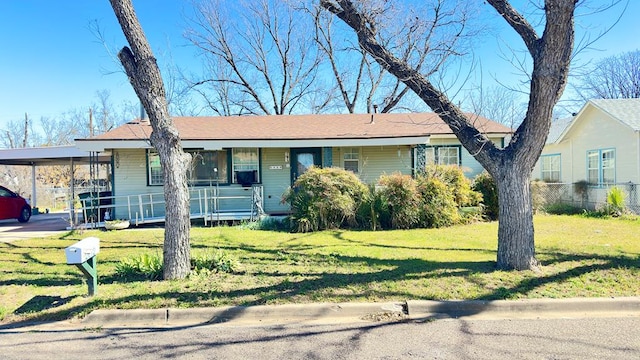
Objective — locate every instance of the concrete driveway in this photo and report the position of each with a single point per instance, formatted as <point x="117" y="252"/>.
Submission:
<point x="41" y="225"/>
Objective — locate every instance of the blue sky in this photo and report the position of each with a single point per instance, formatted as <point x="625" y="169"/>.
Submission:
<point x="52" y="62"/>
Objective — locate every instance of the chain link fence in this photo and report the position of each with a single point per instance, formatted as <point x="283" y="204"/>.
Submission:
<point x="582" y="195"/>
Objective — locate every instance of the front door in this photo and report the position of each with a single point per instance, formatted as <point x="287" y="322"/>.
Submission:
<point x="302" y="159"/>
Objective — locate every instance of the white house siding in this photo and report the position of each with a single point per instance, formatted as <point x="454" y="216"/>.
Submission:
<point x="593" y="131"/>
<point x="130" y="178"/>
<point x="597" y="130"/>
<point x="563" y="149"/>
<point x="276" y="178"/>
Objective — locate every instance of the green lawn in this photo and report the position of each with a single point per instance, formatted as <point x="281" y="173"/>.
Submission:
<point x="581" y="257"/>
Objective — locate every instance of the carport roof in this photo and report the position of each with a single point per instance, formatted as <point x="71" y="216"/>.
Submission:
<point x="51" y="155"/>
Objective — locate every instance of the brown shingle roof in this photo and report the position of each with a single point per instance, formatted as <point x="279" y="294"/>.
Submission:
<point x="336" y="126"/>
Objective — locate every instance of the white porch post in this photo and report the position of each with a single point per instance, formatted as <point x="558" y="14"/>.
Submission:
<point x="72" y="210"/>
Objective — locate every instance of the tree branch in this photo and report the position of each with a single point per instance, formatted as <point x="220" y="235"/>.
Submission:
<point x="517" y="22"/>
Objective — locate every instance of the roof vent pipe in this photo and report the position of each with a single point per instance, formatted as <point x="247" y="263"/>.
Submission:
<point x="143" y="114"/>
<point x="375" y="111"/>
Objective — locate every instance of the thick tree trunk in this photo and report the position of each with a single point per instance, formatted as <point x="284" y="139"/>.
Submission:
<point x="176" y="250"/>
<point x="510" y="167"/>
<point x="516" y="248"/>
<point x="144" y="75"/>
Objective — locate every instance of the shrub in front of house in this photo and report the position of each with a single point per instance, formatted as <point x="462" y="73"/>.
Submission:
<point x="325" y="198"/>
<point x="438" y="207"/>
<point x="459" y="185"/>
<point x="372" y="212"/>
<point x="484" y="184"/>
<point x="400" y="201"/>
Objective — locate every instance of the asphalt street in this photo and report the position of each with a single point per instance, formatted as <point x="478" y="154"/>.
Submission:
<point x="568" y="338"/>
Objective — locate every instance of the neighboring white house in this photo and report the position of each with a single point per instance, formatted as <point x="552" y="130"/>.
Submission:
<point x="267" y="153"/>
<point x="599" y="145"/>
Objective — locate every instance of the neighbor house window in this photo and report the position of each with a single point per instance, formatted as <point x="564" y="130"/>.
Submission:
<point x="601" y="166"/>
<point x="245" y="159"/>
<point x="155" y="169"/>
<point x="550" y="168"/>
<point x="351" y="159"/>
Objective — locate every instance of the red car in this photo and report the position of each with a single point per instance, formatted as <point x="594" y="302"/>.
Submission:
<point x="13" y="206"/>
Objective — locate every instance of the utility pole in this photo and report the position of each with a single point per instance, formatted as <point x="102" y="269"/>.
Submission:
<point x="26" y="130"/>
<point x="90" y="122"/>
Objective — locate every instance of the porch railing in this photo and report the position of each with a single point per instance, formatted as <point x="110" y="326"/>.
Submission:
<point x="208" y="203"/>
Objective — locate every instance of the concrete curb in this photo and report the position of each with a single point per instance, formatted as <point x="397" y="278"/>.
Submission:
<point x="354" y="312"/>
<point x="272" y="314"/>
<point x="526" y="308"/>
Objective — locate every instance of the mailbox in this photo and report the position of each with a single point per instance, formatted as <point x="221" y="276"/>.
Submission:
<point x="83" y="255"/>
<point x="83" y="250"/>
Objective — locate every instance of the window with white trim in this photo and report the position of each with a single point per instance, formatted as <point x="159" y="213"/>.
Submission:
<point x="154" y="167"/>
<point x="351" y="159"/>
<point x="245" y="159"/>
<point x="449" y="155"/>
<point x="601" y="166"/>
<point x="442" y="155"/>
<point x="550" y="168"/>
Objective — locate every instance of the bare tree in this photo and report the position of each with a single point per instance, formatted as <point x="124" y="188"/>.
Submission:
<point x="19" y="134"/>
<point x="510" y="167"/>
<point x="267" y="52"/>
<point x="143" y="72"/>
<point x="426" y="44"/>
<point x="500" y="104"/>
<point x="614" y="77"/>
<point x="62" y="130"/>
<point x="86" y="121"/>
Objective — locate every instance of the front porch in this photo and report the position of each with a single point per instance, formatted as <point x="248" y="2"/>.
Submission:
<point x="210" y="204"/>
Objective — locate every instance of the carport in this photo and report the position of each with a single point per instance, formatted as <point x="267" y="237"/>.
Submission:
<point x="54" y="155"/>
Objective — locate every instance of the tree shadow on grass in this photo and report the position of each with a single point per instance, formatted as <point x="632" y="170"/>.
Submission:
<point x="44" y="281"/>
<point x="597" y="263"/>
<point x="340" y="236"/>
<point x="42" y="302"/>
<point x="281" y="288"/>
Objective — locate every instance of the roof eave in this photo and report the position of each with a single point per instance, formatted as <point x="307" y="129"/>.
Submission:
<point x="102" y="145"/>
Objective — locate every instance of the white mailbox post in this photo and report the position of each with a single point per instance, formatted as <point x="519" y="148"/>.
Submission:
<point x="83" y="255"/>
